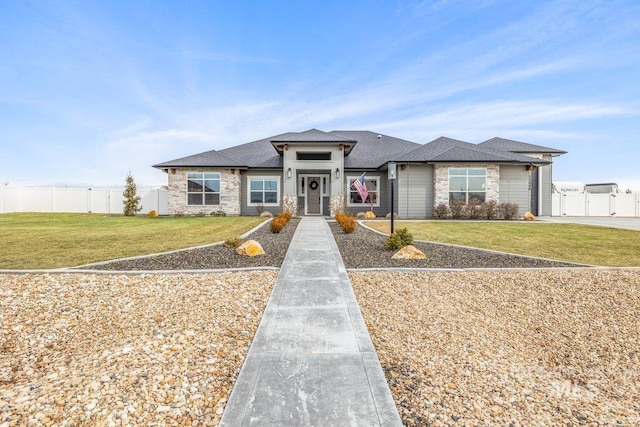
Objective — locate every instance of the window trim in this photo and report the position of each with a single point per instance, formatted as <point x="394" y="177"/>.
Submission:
<point x="351" y="178"/>
<point x="276" y="178"/>
<point x="203" y="193"/>
<point x="466" y="175"/>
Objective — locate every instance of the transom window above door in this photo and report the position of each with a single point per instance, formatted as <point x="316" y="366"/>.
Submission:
<point x="307" y="155"/>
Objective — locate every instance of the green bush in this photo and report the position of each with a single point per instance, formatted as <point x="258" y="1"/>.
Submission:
<point x="233" y="242"/>
<point x="399" y="239"/>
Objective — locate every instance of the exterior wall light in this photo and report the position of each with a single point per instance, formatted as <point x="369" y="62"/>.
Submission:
<point x="337" y="172"/>
<point x="289" y="173"/>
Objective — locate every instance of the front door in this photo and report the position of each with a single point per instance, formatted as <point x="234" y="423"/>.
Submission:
<point x="314" y="195"/>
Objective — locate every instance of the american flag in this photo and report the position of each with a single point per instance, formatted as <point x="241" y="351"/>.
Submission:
<point x="361" y="187"/>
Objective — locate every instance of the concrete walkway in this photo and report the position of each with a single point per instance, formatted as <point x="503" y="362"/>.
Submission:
<point x="311" y="362"/>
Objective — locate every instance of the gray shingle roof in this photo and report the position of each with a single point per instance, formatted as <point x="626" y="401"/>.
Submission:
<point x="370" y="151"/>
<point x="208" y="158"/>
<point x="311" y="135"/>
<point x="518" y="147"/>
<point x="445" y="149"/>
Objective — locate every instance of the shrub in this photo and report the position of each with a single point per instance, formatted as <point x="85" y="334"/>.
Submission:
<point x="266" y="214"/>
<point x="218" y="213"/>
<point x="179" y="214"/>
<point x="489" y="210"/>
<point x="201" y="213"/>
<point x="131" y="200"/>
<point x="472" y="209"/>
<point x="456" y="207"/>
<point x="152" y="214"/>
<point x="286" y="215"/>
<point x="441" y="211"/>
<point x="340" y="216"/>
<point x="233" y="242"/>
<point x="277" y="224"/>
<point x="347" y="222"/>
<point x="508" y="210"/>
<point x="361" y="215"/>
<point x="370" y="215"/>
<point x="399" y="239"/>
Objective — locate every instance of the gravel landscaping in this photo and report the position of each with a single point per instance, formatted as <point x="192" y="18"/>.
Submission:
<point x="365" y="249"/>
<point x="514" y="348"/>
<point x="534" y="348"/>
<point x="275" y="246"/>
<point x="111" y="350"/>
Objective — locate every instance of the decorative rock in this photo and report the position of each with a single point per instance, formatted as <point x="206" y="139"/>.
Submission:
<point x="395" y="216"/>
<point x="409" y="252"/>
<point x="266" y="214"/>
<point x="529" y="216"/>
<point x="250" y="248"/>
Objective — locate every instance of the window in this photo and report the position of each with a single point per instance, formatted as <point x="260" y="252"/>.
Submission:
<point x="306" y="155"/>
<point x="373" y="185"/>
<point x="466" y="184"/>
<point x="264" y="190"/>
<point x="203" y="189"/>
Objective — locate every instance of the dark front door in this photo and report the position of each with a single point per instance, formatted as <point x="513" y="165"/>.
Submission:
<point x="314" y="194"/>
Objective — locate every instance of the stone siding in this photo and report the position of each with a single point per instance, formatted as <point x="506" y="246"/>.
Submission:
<point x="441" y="181"/>
<point x="229" y="193"/>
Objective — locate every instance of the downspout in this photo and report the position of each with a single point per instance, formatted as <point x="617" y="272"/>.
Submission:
<point x="540" y="206"/>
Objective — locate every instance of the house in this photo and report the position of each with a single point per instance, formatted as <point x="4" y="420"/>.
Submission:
<point x="312" y="172"/>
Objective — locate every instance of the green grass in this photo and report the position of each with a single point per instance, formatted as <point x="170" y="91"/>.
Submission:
<point x="44" y="241"/>
<point x="566" y="242"/>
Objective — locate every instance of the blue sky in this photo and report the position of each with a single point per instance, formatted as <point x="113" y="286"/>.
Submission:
<point x="91" y="90"/>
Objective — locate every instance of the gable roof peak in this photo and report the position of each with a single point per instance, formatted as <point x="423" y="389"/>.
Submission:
<point x="311" y="135"/>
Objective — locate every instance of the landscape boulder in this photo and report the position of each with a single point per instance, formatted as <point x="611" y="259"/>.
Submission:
<point x="409" y="252"/>
<point x="250" y="248"/>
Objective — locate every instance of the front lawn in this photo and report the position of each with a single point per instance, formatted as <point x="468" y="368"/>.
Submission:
<point x="564" y="242"/>
<point x="43" y="241"/>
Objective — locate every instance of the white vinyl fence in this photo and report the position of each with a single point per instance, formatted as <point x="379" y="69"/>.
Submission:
<point x="587" y="204"/>
<point x="78" y="200"/>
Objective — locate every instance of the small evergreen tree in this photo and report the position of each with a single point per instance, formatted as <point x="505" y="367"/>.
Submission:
<point x="131" y="199"/>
